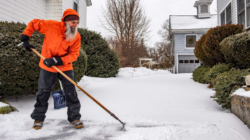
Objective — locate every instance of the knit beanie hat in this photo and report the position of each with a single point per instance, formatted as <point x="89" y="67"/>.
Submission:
<point x="71" y="17"/>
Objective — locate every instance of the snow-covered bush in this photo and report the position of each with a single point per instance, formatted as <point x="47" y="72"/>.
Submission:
<point x="19" y="71"/>
<point x="226" y="83"/>
<point x="199" y="74"/>
<point x="236" y="50"/>
<point x="102" y="61"/>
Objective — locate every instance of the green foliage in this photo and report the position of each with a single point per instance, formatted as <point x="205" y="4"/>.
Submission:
<point x="211" y="44"/>
<point x="236" y="50"/>
<point x="102" y="61"/>
<point x="226" y="83"/>
<point x="19" y="71"/>
<point x="216" y="70"/>
<point x="199" y="73"/>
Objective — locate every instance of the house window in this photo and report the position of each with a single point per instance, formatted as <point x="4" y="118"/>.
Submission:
<point x="248" y="13"/>
<point x="204" y="8"/>
<point x="186" y="61"/>
<point x="229" y="14"/>
<point x="190" y="41"/>
<point x="222" y="17"/>
<point x="180" y="61"/>
<point x="76" y="7"/>
<point x="191" y="61"/>
<point x="241" y="12"/>
<point x="197" y="61"/>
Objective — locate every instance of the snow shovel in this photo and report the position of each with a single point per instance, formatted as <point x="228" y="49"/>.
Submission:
<point x="113" y="115"/>
<point x="59" y="98"/>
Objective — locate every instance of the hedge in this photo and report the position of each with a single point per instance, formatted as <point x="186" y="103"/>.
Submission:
<point x="226" y="83"/>
<point x="19" y="71"/>
<point x="102" y="61"/>
<point x="236" y="50"/>
<point x="199" y="74"/>
<point x="211" y="45"/>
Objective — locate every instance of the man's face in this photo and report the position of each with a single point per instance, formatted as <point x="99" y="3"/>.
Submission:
<point x="71" y="29"/>
<point x="73" y="24"/>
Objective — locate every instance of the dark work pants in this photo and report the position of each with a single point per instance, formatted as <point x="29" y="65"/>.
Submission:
<point x="45" y="85"/>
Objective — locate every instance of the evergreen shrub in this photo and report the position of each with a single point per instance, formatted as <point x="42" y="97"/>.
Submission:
<point x="198" y="50"/>
<point x="211" y="45"/>
<point x="216" y="70"/>
<point x="199" y="73"/>
<point x="20" y="69"/>
<point x="236" y="50"/>
<point x="102" y="61"/>
<point x="226" y="83"/>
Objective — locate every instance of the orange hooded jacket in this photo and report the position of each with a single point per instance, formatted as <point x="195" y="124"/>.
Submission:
<point x="55" y="44"/>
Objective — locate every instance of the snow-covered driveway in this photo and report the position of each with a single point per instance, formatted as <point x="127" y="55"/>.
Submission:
<point x="156" y="105"/>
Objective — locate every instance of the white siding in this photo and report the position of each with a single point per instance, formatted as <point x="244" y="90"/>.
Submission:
<point x="221" y="6"/>
<point x="83" y="13"/>
<point x="54" y="9"/>
<point x="25" y="10"/>
<point x="22" y="10"/>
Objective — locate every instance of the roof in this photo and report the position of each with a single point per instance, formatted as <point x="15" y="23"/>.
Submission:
<point x="192" y="22"/>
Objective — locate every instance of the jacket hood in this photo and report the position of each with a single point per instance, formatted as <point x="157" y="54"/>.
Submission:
<point x="69" y="12"/>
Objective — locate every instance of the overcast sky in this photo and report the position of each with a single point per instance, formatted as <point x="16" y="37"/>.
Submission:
<point x="157" y="11"/>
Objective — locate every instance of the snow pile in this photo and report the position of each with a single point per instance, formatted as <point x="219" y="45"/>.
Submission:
<point x="242" y="92"/>
<point x="3" y="104"/>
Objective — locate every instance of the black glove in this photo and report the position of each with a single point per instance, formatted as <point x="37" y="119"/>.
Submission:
<point x="52" y="61"/>
<point x="26" y="44"/>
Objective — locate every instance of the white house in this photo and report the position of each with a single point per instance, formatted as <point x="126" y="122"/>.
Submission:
<point x="25" y="10"/>
<point x="185" y="30"/>
<point x="234" y="12"/>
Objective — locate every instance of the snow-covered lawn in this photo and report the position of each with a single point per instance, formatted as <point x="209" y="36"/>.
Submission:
<point x="156" y="105"/>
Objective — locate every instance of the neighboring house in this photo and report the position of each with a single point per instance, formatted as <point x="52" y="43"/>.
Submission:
<point x="234" y="12"/>
<point x="25" y="10"/>
<point x="185" y="30"/>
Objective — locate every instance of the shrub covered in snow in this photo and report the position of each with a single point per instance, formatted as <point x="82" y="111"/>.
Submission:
<point x="102" y="61"/>
<point x="199" y="74"/>
<point x="226" y="83"/>
<point x="236" y="50"/>
<point x="211" y="44"/>
<point x="19" y="71"/>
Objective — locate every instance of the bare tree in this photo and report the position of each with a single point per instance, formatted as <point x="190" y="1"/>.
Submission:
<point x="127" y="21"/>
<point x="164" y="32"/>
<point x="164" y="49"/>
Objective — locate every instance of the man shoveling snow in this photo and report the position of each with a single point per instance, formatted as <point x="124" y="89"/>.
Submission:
<point x="61" y="47"/>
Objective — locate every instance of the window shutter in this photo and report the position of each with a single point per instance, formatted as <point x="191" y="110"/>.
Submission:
<point x="190" y="40"/>
<point x="204" y="8"/>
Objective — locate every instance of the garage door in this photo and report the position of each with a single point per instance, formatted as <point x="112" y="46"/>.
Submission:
<point x="187" y="63"/>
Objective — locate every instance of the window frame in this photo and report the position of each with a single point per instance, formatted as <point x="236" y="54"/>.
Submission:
<point x="241" y="13"/>
<point x="222" y="16"/>
<point x="225" y="12"/>
<point x="247" y="13"/>
<point x="226" y="15"/>
<point x="186" y="40"/>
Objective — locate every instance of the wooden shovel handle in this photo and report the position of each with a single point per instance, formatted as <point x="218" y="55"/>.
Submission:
<point x="73" y="82"/>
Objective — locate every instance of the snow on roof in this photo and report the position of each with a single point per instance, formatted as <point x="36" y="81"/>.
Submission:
<point x="192" y="22"/>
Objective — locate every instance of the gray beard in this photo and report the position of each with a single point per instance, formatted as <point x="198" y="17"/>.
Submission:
<point x="70" y="34"/>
